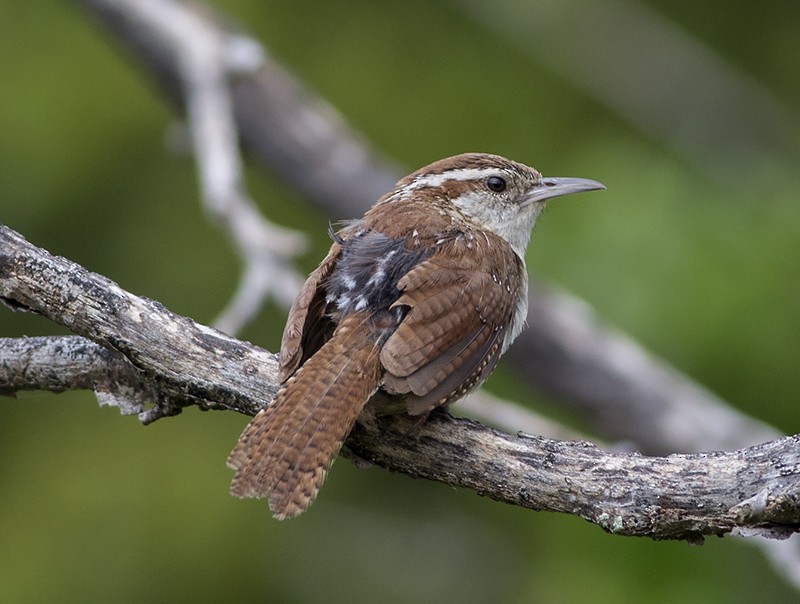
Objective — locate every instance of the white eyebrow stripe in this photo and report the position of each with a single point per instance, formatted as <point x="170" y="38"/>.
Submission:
<point x="435" y="180"/>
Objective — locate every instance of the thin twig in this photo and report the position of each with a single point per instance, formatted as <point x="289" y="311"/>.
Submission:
<point x="207" y="58"/>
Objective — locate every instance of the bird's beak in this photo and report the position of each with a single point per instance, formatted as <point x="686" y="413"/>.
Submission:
<point x="547" y="188"/>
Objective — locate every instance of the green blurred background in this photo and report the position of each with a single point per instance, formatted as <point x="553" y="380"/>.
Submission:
<point x="693" y="250"/>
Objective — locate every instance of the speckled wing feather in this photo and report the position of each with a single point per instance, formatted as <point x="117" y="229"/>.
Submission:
<point x="452" y="334"/>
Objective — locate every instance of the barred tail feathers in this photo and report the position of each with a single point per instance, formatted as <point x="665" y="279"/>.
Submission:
<point x="286" y="450"/>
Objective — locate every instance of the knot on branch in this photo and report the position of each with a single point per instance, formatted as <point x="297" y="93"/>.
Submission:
<point x="769" y="507"/>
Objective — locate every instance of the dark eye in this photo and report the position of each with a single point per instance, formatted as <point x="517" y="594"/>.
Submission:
<point x="496" y="184"/>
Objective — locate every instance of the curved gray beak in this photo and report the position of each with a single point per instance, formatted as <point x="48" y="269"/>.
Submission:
<point x="547" y="188"/>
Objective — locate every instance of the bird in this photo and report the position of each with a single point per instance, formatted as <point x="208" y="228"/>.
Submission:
<point x="417" y="300"/>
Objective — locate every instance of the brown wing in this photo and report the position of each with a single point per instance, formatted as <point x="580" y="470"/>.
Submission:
<point x="452" y="335"/>
<point x="307" y="326"/>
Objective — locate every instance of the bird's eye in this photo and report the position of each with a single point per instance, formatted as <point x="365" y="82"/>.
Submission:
<point x="496" y="184"/>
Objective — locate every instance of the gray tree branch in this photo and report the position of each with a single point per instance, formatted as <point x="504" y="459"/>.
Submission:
<point x="177" y="361"/>
<point x="57" y="364"/>
<point x="140" y="350"/>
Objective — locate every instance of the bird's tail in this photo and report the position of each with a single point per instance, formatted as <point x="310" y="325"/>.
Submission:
<point x="285" y="452"/>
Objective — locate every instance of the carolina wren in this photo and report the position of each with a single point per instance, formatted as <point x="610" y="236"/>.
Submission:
<point x="419" y="298"/>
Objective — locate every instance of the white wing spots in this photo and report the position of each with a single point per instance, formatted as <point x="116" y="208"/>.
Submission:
<point x="361" y="303"/>
<point x="367" y="272"/>
<point x="377" y="277"/>
<point x="467" y="239"/>
<point x="343" y="301"/>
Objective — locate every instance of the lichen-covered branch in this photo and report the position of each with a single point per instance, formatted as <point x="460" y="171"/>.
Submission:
<point x="675" y="497"/>
<point x="139" y="350"/>
<point x="58" y="364"/>
<point x="180" y="362"/>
